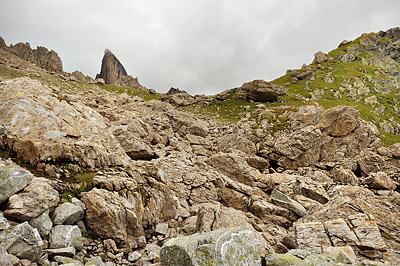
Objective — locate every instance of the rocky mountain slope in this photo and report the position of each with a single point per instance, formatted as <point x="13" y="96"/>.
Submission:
<point x="287" y="181"/>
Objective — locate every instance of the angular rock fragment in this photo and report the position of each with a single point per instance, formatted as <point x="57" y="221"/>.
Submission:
<point x="42" y="223"/>
<point x="22" y="241"/>
<point x="69" y="213"/>
<point x="340" y="233"/>
<point x="12" y="179"/>
<point x="281" y="199"/>
<point x="35" y="199"/>
<point x="62" y="236"/>
<point x="367" y="231"/>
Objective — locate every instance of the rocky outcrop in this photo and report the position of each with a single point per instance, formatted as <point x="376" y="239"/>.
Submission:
<point x="40" y="56"/>
<point x="44" y="127"/>
<point x="256" y="90"/>
<point x="235" y="246"/>
<point x="114" y="73"/>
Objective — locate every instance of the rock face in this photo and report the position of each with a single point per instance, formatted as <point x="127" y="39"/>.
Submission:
<point x="40" y="56"/>
<point x="12" y="179"/>
<point x="38" y="197"/>
<point x="235" y="246"/>
<point x="114" y="73"/>
<point x="22" y="241"/>
<point x="47" y="128"/>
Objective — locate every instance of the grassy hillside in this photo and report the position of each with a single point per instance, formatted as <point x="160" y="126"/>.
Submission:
<point x="367" y="83"/>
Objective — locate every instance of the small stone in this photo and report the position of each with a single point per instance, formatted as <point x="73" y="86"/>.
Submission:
<point x="134" y="256"/>
<point x="109" y="245"/>
<point x="25" y="262"/>
<point x="14" y="260"/>
<point x="162" y="228"/>
<point x="371" y="253"/>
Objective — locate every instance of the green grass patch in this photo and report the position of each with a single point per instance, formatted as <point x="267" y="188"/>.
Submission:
<point x="228" y="111"/>
<point x="145" y="95"/>
<point x="10" y="73"/>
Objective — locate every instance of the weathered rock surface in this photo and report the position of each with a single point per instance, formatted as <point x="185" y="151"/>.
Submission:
<point x="69" y="213"/>
<point x="109" y="215"/>
<point x="261" y="91"/>
<point x="42" y="223"/>
<point x="114" y="73"/>
<point x="40" y="56"/>
<point x="38" y="197"/>
<point x="45" y="128"/>
<point x="12" y="179"/>
<point x="22" y="241"/>
<point x="5" y="258"/>
<point x="230" y="246"/>
<point x="63" y="236"/>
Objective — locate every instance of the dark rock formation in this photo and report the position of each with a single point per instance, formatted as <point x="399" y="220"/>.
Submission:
<point x="114" y="73"/>
<point x="173" y="91"/>
<point x="40" y="56"/>
<point x="261" y="91"/>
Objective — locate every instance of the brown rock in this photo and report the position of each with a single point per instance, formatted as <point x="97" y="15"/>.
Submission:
<point x="40" y="56"/>
<point x="109" y="215"/>
<point x="35" y="199"/>
<point x="114" y="73"/>
<point x="380" y="180"/>
<point x="340" y="121"/>
<point x="319" y="58"/>
<point x="262" y="91"/>
<point x="312" y="237"/>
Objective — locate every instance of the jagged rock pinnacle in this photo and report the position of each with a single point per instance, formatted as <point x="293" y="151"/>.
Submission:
<point x="114" y="73"/>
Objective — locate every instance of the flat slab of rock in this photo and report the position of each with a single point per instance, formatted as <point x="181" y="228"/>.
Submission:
<point x="65" y="252"/>
<point x="367" y="231"/>
<point x="12" y="180"/>
<point x="312" y="237"/>
<point x="227" y="246"/>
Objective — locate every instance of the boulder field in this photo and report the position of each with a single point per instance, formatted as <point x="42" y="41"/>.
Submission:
<point x="323" y="190"/>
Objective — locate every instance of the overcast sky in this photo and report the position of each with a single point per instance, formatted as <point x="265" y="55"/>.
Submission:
<point x="201" y="46"/>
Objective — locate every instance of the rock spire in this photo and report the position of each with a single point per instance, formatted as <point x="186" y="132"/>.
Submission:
<point x="114" y="73"/>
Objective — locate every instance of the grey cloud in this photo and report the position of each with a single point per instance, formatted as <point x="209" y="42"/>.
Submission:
<point x="200" y="46"/>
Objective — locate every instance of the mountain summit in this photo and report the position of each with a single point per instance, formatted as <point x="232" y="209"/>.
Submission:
<point x="114" y="73"/>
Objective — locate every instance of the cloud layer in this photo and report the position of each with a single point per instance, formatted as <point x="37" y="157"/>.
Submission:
<point x="201" y="46"/>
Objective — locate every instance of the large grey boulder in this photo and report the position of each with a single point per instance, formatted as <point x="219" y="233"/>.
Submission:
<point x="12" y="180"/>
<point x="227" y="246"/>
<point x="42" y="223"/>
<point x="22" y="241"/>
<point x="69" y="213"/>
<point x="38" y="197"/>
<point x="62" y="236"/>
